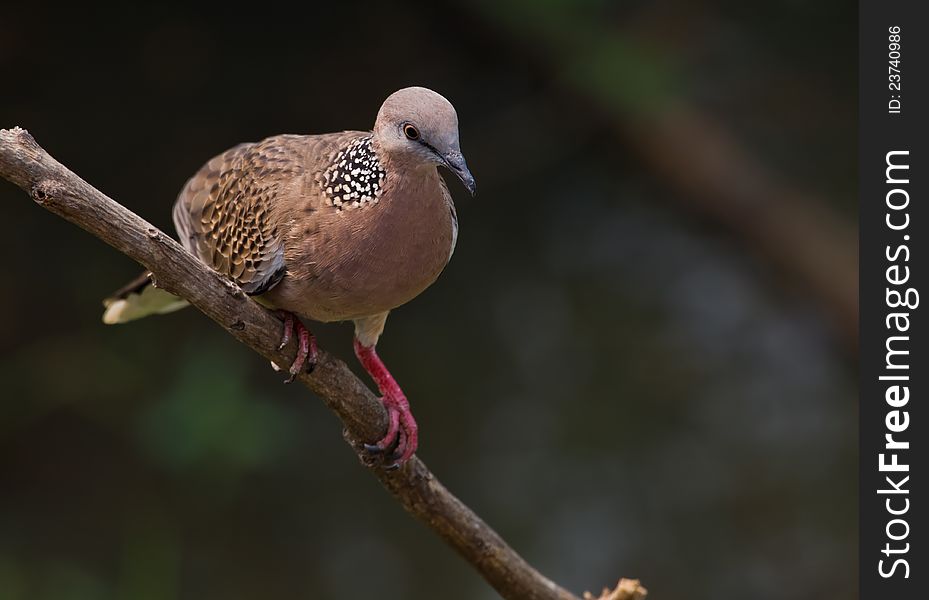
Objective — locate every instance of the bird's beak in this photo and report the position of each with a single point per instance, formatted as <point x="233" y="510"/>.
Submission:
<point x="456" y="164"/>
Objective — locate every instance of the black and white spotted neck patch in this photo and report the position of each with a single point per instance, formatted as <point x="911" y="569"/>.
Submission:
<point x="355" y="178"/>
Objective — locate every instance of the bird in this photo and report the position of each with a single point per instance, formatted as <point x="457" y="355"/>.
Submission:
<point x="328" y="227"/>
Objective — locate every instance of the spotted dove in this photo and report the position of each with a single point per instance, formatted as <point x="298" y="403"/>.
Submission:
<point x="333" y="227"/>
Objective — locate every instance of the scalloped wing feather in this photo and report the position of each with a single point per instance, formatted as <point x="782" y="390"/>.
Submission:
<point x="225" y="214"/>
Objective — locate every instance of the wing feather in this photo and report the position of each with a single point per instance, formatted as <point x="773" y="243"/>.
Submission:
<point x="224" y="215"/>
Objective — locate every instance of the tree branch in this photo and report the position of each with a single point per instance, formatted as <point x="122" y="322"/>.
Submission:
<point x="53" y="186"/>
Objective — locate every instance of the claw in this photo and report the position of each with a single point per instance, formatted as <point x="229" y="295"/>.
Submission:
<point x="400" y="449"/>
<point x="307" y="352"/>
<point x="288" y="327"/>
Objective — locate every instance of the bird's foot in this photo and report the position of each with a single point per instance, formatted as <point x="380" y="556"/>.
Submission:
<point x="307" y="353"/>
<point x="402" y="437"/>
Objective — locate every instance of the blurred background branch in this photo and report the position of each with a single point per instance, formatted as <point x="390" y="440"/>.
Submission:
<point x="632" y="85"/>
<point x="56" y="188"/>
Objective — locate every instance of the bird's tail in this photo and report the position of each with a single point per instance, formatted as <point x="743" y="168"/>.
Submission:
<point x="139" y="298"/>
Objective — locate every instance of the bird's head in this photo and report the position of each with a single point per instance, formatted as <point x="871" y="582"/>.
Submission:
<point x="417" y="126"/>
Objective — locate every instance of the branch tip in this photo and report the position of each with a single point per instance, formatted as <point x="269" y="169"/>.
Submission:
<point x="20" y="136"/>
<point x="626" y="589"/>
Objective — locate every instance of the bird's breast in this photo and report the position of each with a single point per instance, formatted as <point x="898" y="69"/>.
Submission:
<point x="356" y="262"/>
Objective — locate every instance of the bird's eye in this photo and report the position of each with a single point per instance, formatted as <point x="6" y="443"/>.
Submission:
<point x="411" y="132"/>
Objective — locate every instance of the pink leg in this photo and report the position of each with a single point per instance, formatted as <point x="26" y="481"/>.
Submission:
<point x="288" y="318"/>
<point x="306" y="348"/>
<point x="401" y="429"/>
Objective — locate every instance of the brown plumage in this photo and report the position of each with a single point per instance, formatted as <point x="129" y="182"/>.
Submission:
<point x="333" y="227"/>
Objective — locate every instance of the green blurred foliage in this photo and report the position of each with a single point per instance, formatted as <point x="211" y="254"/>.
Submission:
<point x="209" y="421"/>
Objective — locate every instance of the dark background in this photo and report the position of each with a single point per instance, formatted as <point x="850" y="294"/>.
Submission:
<point x="638" y="363"/>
